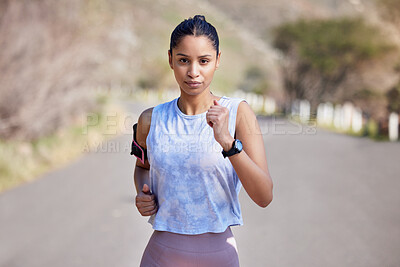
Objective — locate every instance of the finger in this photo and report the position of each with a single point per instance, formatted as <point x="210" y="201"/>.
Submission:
<point x="148" y="197"/>
<point x="145" y="204"/>
<point x="209" y="121"/>
<point x="149" y="213"/>
<point x="146" y="209"/>
<point x="146" y="189"/>
<point x="213" y="118"/>
<point x="215" y="108"/>
<point x="220" y="112"/>
<point x="213" y="115"/>
<point x="215" y="112"/>
<point x="142" y="197"/>
<point x="141" y="200"/>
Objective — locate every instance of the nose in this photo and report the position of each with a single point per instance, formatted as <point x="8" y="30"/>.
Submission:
<point x="193" y="71"/>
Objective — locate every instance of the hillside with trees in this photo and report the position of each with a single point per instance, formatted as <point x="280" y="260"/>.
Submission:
<point x="328" y="60"/>
<point x="55" y="56"/>
<point x="54" y="53"/>
<point x="330" y="50"/>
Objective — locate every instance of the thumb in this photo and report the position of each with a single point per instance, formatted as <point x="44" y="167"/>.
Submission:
<point x="146" y="189"/>
<point x="216" y="103"/>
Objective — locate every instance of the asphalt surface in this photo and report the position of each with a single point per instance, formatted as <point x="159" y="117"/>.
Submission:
<point x="336" y="203"/>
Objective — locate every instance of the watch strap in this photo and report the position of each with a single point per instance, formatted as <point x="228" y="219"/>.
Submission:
<point x="231" y="151"/>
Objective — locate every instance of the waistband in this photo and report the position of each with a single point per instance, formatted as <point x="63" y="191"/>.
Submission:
<point x="207" y="242"/>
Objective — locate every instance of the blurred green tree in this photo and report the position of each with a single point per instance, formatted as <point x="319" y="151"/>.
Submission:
<point x="319" y="55"/>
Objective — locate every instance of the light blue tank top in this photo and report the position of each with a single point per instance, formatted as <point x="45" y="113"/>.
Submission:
<point x="195" y="186"/>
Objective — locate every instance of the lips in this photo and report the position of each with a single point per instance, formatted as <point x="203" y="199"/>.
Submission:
<point x="193" y="84"/>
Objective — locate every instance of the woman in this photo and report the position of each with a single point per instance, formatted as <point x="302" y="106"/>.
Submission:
<point x="201" y="149"/>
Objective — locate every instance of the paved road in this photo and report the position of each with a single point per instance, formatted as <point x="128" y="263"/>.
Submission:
<point x="336" y="203"/>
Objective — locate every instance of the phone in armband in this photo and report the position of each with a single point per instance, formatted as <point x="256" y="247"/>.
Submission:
<point x="136" y="149"/>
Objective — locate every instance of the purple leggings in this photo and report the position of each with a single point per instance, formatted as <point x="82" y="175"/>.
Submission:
<point x="166" y="249"/>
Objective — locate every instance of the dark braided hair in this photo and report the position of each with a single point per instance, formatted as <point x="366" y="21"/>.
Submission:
<point x="196" y="26"/>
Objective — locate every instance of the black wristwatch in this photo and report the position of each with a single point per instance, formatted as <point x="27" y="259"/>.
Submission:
<point x="236" y="148"/>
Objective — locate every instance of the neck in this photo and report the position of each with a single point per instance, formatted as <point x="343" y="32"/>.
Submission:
<point x="196" y="104"/>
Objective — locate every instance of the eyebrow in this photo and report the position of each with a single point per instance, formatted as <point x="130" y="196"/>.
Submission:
<point x="180" y="54"/>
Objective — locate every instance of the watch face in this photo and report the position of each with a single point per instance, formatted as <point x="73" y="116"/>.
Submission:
<point x="238" y="145"/>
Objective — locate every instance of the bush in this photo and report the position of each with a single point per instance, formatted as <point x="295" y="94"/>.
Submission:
<point x="372" y="128"/>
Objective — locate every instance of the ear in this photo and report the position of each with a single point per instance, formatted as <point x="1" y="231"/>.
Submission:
<point x="218" y="60"/>
<point x="170" y="59"/>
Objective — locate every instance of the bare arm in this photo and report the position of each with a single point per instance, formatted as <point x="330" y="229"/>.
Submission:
<point x="251" y="164"/>
<point x="141" y="177"/>
<point x="145" y="200"/>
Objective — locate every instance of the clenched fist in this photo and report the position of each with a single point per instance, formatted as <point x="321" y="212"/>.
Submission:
<point x="146" y="202"/>
<point x="218" y="118"/>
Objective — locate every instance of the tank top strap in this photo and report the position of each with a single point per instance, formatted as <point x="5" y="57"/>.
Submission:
<point x="232" y="103"/>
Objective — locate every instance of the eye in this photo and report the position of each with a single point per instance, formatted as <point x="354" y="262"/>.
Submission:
<point x="204" y="61"/>
<point x="183" y="60"/>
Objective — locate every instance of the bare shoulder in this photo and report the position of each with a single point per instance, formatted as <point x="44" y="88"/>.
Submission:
<point x="145" y="116"/>
<point x="143" y="126"/>
<point x="246" y="120"/>
<point x="244" y="107"/>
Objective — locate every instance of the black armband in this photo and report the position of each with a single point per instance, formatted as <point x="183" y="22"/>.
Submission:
<point x="136" y="149"/>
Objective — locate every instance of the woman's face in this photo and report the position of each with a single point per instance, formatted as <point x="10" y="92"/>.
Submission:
<point x="194" y="62"/>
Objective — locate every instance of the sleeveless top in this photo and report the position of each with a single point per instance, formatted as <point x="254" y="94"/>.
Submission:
<point x="195" y="186"/>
